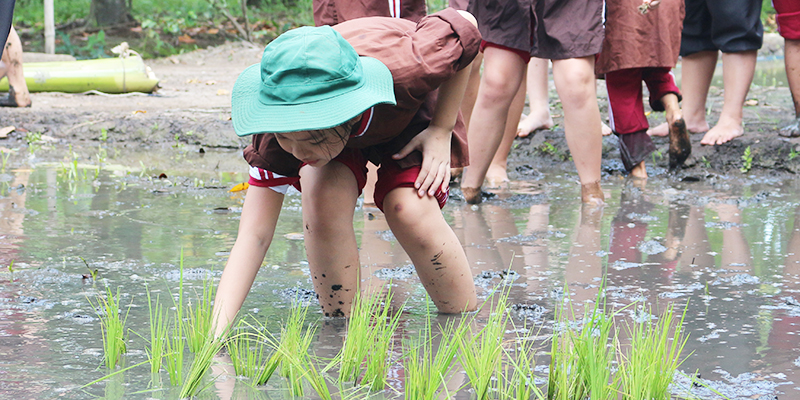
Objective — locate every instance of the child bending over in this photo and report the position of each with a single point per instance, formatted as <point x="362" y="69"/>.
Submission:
<point x="323" y="102"/>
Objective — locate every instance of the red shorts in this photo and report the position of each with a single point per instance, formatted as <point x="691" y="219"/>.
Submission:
<point x="788" y="18"/>
<point x="390" y="177"/>
<point x="526" y="56"/>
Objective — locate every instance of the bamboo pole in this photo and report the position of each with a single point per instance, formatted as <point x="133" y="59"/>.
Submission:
<point x="49" y="28"/>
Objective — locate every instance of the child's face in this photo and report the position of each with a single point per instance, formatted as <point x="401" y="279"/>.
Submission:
<point x="317" y="148"/>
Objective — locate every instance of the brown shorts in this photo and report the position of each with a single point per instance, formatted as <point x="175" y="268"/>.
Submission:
<point x="458" y="4"/>
<point x="549" y="29"/>
<point x="332" y="12"/>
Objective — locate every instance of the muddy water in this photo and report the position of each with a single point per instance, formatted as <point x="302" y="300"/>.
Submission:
<point x="726" y="249"/>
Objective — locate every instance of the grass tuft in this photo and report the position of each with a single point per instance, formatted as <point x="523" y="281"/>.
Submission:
<point x="112" y="326"/>
<point x="198" y="326"/>
<point x="158" y="334"/>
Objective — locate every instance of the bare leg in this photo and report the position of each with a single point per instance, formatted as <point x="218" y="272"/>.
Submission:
<point x="497" y="174"/>
<point x="697" y="71"/>
<point x="792" y="60"/>
<point x="502" y="75"/>
<point x="441" y="264"/>
<point x="468" y="102"/>
<point x="11" y="67"/>
<point x="639" y="171"/>
<point x="329" y="199"/>
<point x="737" y="74"/>
<point x="575" y="83"/>
<point x="538" y="99"/>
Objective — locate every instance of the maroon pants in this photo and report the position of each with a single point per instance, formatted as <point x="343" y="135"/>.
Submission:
<point x="626" y="104"/>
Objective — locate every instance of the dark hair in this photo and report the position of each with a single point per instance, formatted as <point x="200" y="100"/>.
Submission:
<point x="341" y="133"/>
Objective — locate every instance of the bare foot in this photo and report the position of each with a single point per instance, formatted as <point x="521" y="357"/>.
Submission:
<point x="661" y="129"/>
<point x="472" y="195"/>
<point x="605" y="129"/>
<point x="696" y="127"/>
<point x="725" y="131"/>
<point x="639" y="171"/>
<point x="792" y="130"/>
<point x="496" y="176"/>
<point x="531" y="123"/>
<point x="592" y="194"/>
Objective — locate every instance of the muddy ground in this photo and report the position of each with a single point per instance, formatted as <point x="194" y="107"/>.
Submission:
<point x="193" y="107"/>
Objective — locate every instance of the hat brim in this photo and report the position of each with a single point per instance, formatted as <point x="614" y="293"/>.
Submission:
<point x="251" y="116"/>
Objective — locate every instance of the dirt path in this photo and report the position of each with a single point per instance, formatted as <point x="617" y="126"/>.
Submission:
<point x="193" y="107"/>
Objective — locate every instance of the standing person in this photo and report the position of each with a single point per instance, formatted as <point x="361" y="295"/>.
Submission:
<point x="643" y="46"/>
<point x="322" y="102"/>
<point x="569" y="32"/>
<point x="788" y="19"/>
<point x="11" y="60"/>
<point x="733" y="27"/>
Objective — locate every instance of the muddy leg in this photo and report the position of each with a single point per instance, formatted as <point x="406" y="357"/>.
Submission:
<point x="497" y="174"/>
<point x="680" y="147"/>
<point x="11" y="67"/>
<point x="792" y="60"/>
<point x="441" y="264"/>
<point x="575" y="82"/>
<point x="329" y="199"/>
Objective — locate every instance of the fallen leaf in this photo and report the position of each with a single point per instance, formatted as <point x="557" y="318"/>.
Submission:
<point x="193" y="80"/>
<point x="240" y="187"/>
<point x="174" y="61"/>
<point x="209" y="83"/>
<point x="222" y="92"/>
<point x="5" y="131"/>
<point x="6" y="150"/>
<point x="137" y="29"/>
<point x="186" y="39"/>
<point x="751" y="102"/>
<point x="139" y="112"/>
<point x="212" y="31"/>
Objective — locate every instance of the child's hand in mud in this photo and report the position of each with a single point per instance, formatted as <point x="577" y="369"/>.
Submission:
<point x="647" y="5"/>
<point x="434" y="144"/>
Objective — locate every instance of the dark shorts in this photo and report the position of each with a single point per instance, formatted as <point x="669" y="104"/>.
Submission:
<point x="727" y="25"/>
<point x="458" y="4"/>
<point x="549" y="29"/>
<point x="6" y="14"/>
<point x="788" y="18"/>
<point x="332" y="12"/>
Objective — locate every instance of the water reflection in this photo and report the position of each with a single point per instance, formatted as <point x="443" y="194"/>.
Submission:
<point x="724" y="250"/>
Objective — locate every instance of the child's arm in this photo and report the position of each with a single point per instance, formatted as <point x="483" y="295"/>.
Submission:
<point x="256" y="228"/>
<point x="434" y="141"/>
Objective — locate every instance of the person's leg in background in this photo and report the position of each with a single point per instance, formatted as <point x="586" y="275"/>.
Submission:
<point x="788" y="19"/>
<point x="11" y="67"/>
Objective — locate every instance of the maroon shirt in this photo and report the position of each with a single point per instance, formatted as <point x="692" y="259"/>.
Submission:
<point x="420" y="57"/>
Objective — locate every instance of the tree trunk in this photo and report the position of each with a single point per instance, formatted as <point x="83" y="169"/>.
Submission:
<point x="110" y="12"/>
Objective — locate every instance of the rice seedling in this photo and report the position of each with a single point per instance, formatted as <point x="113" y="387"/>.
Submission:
<point x="253" y="354"/>
<point x="384" y="328"/>
<point x="425" y="371"/>
<point x="11" y="270"/>
<point x="199" y="323"/>
<point x="563" y="382"/>
<point x="594" y="352"/>
<point x="516" y="382"/>
<point x="112" y="326"/>
<point x="359" y="338"/>
<point x="480" y="354"/>
<point x="158" y="334"/>
<point x="173" y="359"/>
<point x="200" y="364"/>
<point x="653" y="356"/>
<point x="293" y="348"/>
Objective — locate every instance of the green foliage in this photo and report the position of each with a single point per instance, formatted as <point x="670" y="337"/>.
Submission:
<point x="112" y="326"/>
<point x="747" y="161"/>
<point x="792" y="154"/>
<point x="158" y="334"/>
<point x="95" y="46"/>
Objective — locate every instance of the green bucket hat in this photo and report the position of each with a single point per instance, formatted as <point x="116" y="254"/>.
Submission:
<point x="309" y="78"/>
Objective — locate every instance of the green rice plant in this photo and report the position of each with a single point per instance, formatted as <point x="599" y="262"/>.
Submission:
<point x="199" y="323"/>
<point x="595" y="354"/>
<point x="653" y="357"/>
<point x="158" y="334"/>
<point x="200" y="364"/>
<point x="253" y="354"/>
<point x="480" y="354"/>
<point x="516" y="381"/>
<point x="360" y="337"/>
<point x="173" y="359"/>
<point x="11" y="270"/>
<point x="747" y="160"/>
<point x="384" y="328"/>
<point x="112" y="326"/>
<point x="293" y="347"/>
<point x="425" y="370"/>
<point x="563" y="381"/>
